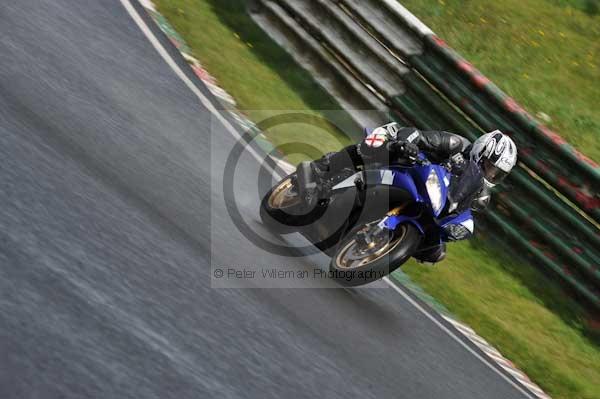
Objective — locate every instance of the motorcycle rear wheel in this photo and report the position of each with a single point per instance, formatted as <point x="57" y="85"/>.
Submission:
<point x="282" y="210"/>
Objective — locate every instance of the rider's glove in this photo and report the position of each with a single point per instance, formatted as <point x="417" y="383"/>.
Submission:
<point x="411" y="151"/>
<point x="457" y="164"/>
<point x="404" y="149"/>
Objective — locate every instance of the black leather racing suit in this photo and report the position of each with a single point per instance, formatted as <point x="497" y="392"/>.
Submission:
<point x="377" y="148"/>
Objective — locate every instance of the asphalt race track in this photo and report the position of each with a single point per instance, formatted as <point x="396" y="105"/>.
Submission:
<point x="110" y="209"/>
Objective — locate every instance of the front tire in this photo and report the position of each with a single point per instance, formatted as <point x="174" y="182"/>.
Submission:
<point x="354" y="265"/>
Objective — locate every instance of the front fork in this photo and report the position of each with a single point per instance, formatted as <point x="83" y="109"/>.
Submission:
<point x="367" y="237"/>
<point x="393" y="218"/>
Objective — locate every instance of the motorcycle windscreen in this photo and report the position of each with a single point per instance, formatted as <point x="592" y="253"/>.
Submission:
<point x="464" y="187"/>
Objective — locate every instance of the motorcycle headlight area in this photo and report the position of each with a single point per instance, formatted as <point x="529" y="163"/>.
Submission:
<point x="434" y="190"/>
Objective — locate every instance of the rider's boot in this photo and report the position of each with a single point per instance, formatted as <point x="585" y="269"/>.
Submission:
<point x="306" y="182"/>
<point x="430" y="255"/>
<point x="318" y="177"/>
<point x="313" y="179"/>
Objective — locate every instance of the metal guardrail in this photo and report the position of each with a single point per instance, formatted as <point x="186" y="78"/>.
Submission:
<point x="381" y="53"/>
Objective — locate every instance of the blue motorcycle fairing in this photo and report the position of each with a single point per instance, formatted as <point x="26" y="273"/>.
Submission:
<point x="413" y="181"/>
<point x="404" y="179"/>
<point x="391" y="176"/>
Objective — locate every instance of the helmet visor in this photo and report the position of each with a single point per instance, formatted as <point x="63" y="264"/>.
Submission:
<point x="492" y="173"/>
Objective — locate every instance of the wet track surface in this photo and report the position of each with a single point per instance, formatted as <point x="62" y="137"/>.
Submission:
<point x="108" y="214"/>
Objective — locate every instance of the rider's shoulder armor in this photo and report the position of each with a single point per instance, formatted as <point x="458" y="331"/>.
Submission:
<point x="445" y="143"/>
<point x="409" y="134"/>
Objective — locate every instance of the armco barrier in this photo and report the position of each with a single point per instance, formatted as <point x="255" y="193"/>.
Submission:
<point x="381" y="49"/>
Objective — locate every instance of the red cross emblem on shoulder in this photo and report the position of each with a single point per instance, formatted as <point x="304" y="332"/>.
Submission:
<point x="376" y="139"/>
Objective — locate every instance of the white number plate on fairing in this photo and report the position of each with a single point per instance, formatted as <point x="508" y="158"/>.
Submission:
<point x="386" y="177"/>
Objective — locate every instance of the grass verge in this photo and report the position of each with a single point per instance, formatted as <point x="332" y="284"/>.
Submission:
<point x="521" y="312"/>
<point x="544" y="53"/>
<point x="515" y="307"/>
<point x="262" y="77"/>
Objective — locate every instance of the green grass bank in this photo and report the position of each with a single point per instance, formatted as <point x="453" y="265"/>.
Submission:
<point x="544" y="53"/>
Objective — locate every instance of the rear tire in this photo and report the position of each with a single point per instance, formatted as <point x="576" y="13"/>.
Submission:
<point x="283" y="211"/>
<point x="350" y="269"/>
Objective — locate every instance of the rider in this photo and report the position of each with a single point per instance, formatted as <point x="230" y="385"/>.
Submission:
<point x="495" y="153"/>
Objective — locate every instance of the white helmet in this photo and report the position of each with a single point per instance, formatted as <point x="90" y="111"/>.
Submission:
<point x="496" y="154"/>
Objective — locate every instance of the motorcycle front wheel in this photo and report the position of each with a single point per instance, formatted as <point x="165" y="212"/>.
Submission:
<point x="356" y="263"/>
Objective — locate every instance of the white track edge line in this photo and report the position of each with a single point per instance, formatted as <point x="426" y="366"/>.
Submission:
<point x="209" y="106"/>
<point x="173" y="65"/>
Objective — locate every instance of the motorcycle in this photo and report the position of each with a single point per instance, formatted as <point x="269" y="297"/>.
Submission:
<point x="372" y="221"/>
